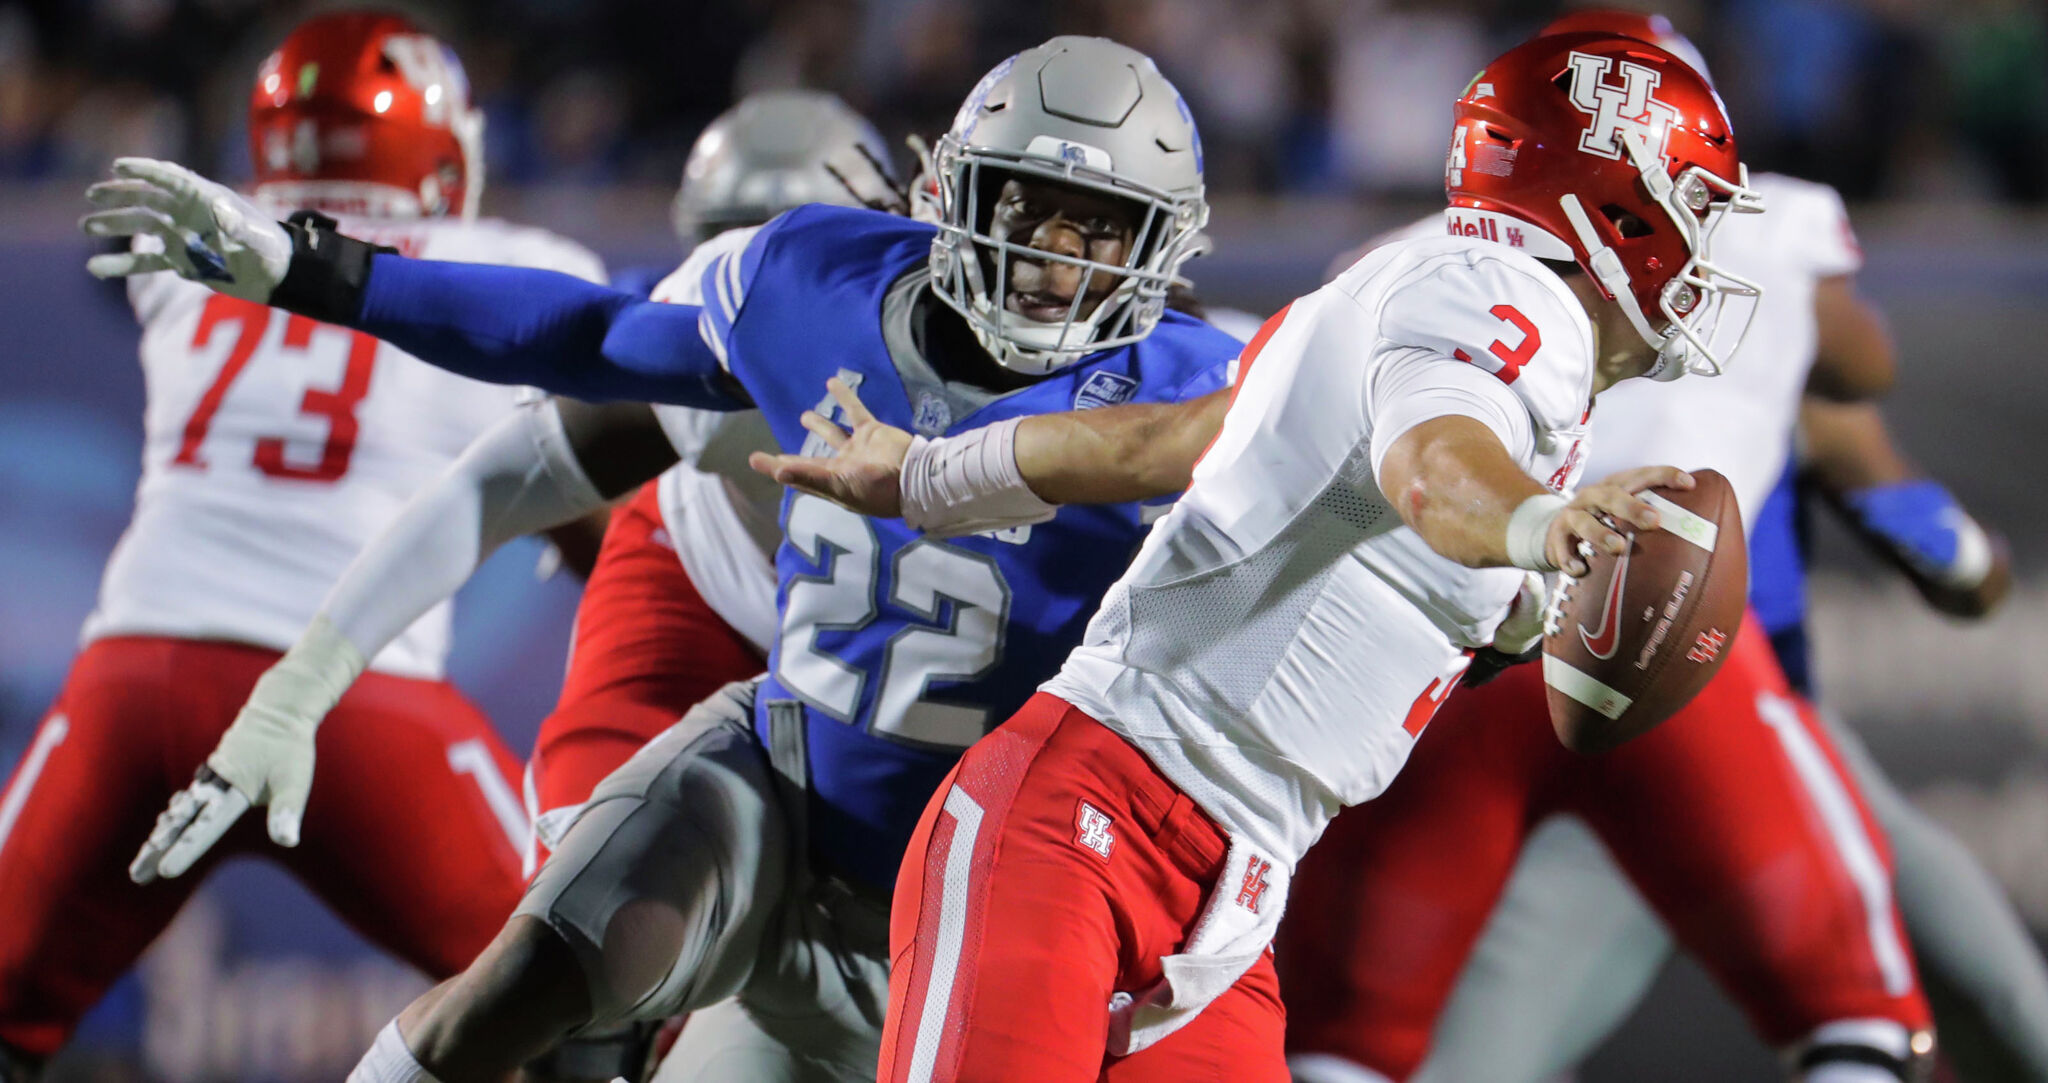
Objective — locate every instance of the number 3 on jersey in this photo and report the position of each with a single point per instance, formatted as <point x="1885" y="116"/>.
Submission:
<point x="1507" y="362"/>
<point x="338" y="406"/>
<point x="924" y="574"/>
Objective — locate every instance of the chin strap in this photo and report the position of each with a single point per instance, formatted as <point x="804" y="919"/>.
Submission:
<point x="1613" y="277"/>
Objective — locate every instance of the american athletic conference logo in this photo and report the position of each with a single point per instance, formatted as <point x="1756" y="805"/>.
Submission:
<point x="1619" y="111"/>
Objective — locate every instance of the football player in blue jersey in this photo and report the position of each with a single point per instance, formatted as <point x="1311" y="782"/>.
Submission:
<point x="739" y="866"/>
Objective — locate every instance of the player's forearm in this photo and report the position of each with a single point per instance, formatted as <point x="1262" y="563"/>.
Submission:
<point x="518" y="478"/>
<point x="1453" y="483"/>
<point x="1854" y="359"/>
<point x="516" y="325"/>
<point x="1119" y="453"/>
<point x="1908" y="518"/>
<point x="1845" y="446"/>
<point x="508" y="325"/>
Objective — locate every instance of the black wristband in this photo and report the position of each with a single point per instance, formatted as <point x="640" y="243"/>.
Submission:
<point x="328" y="271"/>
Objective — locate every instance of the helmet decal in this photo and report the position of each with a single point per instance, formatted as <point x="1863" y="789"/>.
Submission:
<point x="1619" y="112"/>
<point x="1193" y="129"/>
<point x="970" y="110"/>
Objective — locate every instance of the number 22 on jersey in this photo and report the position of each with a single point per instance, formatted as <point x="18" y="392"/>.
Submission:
<point x="249" y="322"/>
<point x="924" y="574"/>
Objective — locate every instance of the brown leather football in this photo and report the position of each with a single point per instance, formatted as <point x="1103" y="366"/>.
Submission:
<point x="1634" y="639"/>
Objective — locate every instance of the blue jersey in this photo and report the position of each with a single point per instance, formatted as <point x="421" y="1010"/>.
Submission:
<point x="1777" y="578"/>
<point x="900" y="650"/>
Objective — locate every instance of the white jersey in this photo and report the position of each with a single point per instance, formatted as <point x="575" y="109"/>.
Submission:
<point x="276" y="448"/>
<point x="1281" y="635"/>
<point x="1741" y="422"/>
<point x="721" y="516"/>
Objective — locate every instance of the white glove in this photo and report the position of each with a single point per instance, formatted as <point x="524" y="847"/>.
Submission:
<point x="265" y="758"/>
<point x="1523" y="627"/>
<point x="210" y="233"/>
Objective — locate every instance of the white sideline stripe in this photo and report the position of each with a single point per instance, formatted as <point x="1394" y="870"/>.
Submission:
<point x="1691" y="526"/>
<point x="47" y="739"/>
<point x="938" y="992"/>
<point x="1886" y="1034"/>
<point x="1330" y="1068"/>
<point x="473" y="759"/>
<point x="529" y="796"/>
<point x="1838" y="811"/>
<point x="1583" y="687"/>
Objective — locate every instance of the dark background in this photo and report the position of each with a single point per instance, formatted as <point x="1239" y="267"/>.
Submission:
<point x="1324" y="123"/>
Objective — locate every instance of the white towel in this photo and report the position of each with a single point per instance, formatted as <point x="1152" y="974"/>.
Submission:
<point x="1243" y="911"/>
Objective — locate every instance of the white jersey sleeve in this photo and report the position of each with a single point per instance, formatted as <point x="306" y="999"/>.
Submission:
<point x="1497" y="315"/>
<point x="1278" y="640"/>
<point x="276" y="447"/>
<point x="1817" y="223"/>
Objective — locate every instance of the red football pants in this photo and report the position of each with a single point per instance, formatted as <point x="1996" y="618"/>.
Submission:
<point x="647" y="648"/>
<point x="411" y="833"/>
<point x="1011" y="930"/>
<point x="1735" y="819"/>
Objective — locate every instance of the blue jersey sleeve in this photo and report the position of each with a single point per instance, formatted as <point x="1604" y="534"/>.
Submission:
<point x="516" y="325"/>
<point x="727" y="281"/>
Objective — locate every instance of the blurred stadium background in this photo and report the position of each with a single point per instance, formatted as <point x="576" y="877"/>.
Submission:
<point x="1323" y="121"/>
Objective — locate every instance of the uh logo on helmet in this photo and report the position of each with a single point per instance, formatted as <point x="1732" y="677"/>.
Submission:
<point x="361" y="112"/>
<point x="1083" y="113"/>
<point x="1612" y="153"/>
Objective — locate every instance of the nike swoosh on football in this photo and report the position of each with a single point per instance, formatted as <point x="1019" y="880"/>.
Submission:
<point x="1604" y="639"/>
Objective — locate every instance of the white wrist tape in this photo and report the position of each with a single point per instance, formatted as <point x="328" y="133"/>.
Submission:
<point x="390" y="1061"/>
<point x="1974" y="556"/>
<point x="1528" y="527"/>
<point x="968" y="484"/>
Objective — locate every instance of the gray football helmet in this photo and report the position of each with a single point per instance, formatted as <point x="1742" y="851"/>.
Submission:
<point x="776" y="150"/>
<point x="1087" y="112"/>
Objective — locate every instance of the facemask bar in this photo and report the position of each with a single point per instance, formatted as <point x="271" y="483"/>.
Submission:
<point x="1702" y="338"/>
<point x="1164" y="239"/>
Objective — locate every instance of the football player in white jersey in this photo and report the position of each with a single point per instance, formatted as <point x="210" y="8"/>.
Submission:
<point x="1571" y="947"/>
<point x="275" y="447"/>
<point x="1390" y="457"/>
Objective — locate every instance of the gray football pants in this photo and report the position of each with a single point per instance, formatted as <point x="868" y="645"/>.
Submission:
<point x="683" y="886"/>
<point x="1572" y="949"/>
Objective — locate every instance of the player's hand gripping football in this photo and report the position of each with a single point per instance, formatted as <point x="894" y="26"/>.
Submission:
<point x="1598" y="512"/>
<point x="264" y="758"/>
<point x="865" y="470"/>
<point x="204" y="231"/>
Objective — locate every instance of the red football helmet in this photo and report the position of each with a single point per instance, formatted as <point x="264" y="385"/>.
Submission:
<point x="1642" y="26"/>
<point x="361" y="112"/>
<point x="1614" y="153"/>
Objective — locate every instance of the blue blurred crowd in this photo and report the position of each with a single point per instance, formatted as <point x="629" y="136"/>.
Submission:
<point x="1883" y="98"/>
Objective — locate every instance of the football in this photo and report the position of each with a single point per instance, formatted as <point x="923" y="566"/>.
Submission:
<point x="1634" y="639"/>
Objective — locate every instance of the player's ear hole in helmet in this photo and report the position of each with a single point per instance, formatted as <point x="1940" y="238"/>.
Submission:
<point x="1088" y="135"/>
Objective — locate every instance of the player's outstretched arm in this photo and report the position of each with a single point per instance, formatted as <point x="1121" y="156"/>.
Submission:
<point x="1007" y="474"/>
<point x="510" y="325"/>
<point x="1451" y="480"/>
<point x="521" y="476"/>
<point x="1853" y="358"/>
<point x="1913" y="521"/>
